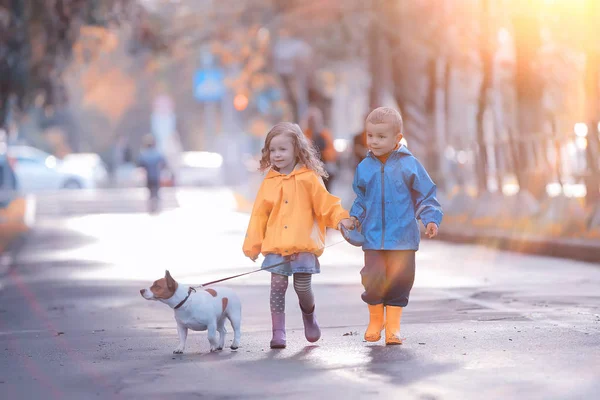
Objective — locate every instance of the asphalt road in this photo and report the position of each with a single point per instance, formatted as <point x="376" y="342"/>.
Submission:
<point x="481" y="323"/>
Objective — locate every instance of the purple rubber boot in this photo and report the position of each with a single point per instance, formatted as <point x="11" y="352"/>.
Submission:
<point x="312" y="332"/>
<point x="278" y="341"/>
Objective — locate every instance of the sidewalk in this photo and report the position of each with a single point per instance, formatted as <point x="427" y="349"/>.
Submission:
<point x="572" y="248"/>
<point x="507" y="223"/>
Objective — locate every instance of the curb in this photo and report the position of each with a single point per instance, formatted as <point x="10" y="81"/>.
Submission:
<point x="573" y="249"/>
<point x="587" y="250"/>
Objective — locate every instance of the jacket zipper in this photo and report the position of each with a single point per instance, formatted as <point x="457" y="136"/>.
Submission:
<point x="382" y="206"/>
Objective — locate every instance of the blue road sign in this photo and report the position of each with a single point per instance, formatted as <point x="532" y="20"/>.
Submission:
<point x="209" y="85"/>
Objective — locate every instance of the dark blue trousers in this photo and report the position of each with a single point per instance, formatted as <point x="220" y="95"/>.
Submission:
<point x="388" y="276"/>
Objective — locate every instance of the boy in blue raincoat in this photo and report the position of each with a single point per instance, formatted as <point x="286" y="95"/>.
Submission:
<point x="393" y="191"/>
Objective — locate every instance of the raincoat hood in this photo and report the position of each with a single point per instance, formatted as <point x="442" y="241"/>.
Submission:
<point x="400" y="151"/>
<point x="298" y="170"/>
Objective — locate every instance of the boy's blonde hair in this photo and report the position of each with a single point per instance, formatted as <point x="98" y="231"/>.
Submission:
<point x="382" y="115"/>
<point x="305" y="152"/>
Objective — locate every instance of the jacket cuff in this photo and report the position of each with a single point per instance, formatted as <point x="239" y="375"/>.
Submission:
<point x="429" y="221"/>
<point x="358" y="218"/>
<point x="340" y="217"/>
<point x="251" y="254"/>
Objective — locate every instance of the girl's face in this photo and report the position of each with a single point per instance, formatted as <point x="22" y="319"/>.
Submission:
<point x="282" y="154"/>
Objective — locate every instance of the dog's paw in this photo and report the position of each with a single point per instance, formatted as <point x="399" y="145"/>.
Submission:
<point x="233" y="347"/>
<point x="219" y="348"/>
<point x="178" y="350"/>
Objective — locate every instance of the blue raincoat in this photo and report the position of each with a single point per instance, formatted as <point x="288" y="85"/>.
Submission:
<point x="391" y="198"/>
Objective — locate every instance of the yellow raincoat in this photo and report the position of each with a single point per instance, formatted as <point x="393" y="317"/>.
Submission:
<point x="290" y="214"/>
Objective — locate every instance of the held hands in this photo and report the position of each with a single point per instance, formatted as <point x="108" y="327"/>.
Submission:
<point x="348" y="223"/>
<point x="431" y="230"/>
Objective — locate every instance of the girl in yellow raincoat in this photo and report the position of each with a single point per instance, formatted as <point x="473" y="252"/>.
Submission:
<point x="289" y="217"/>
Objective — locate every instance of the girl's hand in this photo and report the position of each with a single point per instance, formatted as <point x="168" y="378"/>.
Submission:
<point x="253" y="258"/>
<point x="431" y="230"/>
<point x="347" y="223"/>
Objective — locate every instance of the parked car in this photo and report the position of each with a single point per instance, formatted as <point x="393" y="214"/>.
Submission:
<point x="88" y="164"/>
<point x="129" y="175"/>
<point x="193" y="168"/>
<point x="15" y="211"/>
<point x="200" y="168"/>
<point x="37" y="170"/>
<point x="8" y="180"/>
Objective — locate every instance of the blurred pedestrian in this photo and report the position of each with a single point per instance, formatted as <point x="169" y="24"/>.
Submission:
<point x="321" y="138"/>
<point x="289" y="217"/>
<point x="393" y="192"/>
<point x="153" y="162"/>
<point x="359" y="147"/>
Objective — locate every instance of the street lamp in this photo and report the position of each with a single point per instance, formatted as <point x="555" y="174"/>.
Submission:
<point x="240" y="102"/>
<point x="580" y="129"/>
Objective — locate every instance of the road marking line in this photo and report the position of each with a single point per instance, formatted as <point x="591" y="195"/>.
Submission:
<point x="22" y="331"/>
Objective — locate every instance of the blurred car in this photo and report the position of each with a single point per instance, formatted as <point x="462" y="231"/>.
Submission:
<point x="193" y="168"/>
<point x="200" y="168"/>
<point x="8" y="179"/>
<point x="129" y="175"/>
<point x="15" y="209"/>
<point x="89" y="164"/>
<point x="37" y="170"/>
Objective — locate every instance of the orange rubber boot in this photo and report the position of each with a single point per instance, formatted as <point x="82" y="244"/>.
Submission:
<point x="393" y="315"/>
<point x="373" y="333"/>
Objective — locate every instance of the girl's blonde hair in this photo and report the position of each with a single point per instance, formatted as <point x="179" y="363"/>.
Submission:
<point x="304" y="151"/>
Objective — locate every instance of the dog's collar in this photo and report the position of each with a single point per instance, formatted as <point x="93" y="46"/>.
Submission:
<point x="182" y="302"/>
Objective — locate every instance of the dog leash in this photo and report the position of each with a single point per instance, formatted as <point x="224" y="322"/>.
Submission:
<point x="287" y="260"/>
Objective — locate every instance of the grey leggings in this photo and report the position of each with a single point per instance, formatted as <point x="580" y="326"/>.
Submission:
<point x="302" y="286"/>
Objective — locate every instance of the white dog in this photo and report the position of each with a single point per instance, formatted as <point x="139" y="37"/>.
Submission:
<point x="199" y="310"/>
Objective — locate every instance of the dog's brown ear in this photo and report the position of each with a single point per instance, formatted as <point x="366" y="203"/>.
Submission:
<point x="171" y="284"/>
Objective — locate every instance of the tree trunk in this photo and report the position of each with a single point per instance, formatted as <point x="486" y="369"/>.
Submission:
<point x="486" y="53"/>
<point x="592" y="179"/>
<point x="290" y="96"/>
<point x="393" y="17"/>
<point x="14" y="47"/>
<point x="529" y="90"/>
<point x="376" y="59"/>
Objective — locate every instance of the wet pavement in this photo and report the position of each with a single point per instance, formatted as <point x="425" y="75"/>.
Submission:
<point x="481" y="323"/>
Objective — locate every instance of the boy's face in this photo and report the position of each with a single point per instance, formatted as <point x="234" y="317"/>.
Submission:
<point x="381" y="138"/>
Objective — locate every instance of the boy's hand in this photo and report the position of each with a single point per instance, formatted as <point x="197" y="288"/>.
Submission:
<point x="347" y="223"/>
<point x="431" y="230"/>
